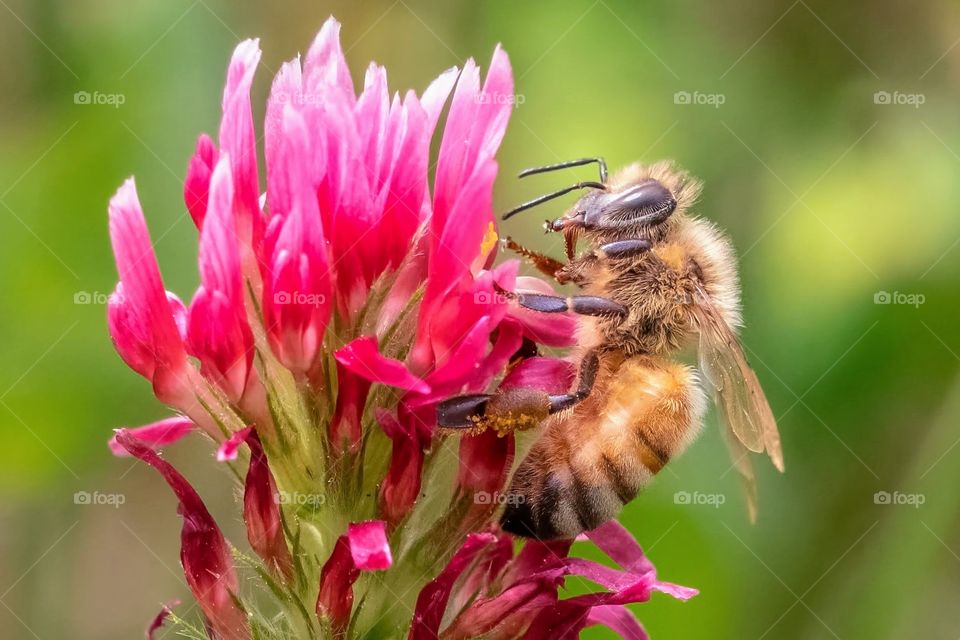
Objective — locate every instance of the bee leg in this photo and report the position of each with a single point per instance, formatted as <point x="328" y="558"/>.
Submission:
<point x="544" y="263"/>
<point x="462" y="411"/>
<point x="582" y="305"/>
<point x="589" y="367"/>
<point x="622" y="249"/>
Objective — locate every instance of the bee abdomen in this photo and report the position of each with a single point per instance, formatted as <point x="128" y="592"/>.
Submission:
<point x="564" y="503"/>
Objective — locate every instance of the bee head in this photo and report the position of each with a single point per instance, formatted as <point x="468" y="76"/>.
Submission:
<point x="645" y="204"/>
<point x="638" y="200"/>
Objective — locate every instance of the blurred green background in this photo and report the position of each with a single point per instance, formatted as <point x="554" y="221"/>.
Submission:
<point x="832" y="192"/>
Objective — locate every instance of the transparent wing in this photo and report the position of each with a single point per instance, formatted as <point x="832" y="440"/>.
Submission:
<point x="740" y="400"/>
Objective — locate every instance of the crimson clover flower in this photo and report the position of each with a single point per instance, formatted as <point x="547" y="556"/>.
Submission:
<point x="334" y="312"/>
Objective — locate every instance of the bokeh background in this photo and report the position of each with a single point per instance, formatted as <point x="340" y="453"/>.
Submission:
<point x="828" y="138"/>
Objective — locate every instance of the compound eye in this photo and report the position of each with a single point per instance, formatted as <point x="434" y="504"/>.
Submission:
<point x="649" y="199"/>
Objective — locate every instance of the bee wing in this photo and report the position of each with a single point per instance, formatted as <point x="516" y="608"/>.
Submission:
<point x="742" y="404"/>
<point x="744" y="466"/>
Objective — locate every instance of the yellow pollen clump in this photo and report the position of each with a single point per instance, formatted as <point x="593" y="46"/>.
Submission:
<point x="489" y="241"/>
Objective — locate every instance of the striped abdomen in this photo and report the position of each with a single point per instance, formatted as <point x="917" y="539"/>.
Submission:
<point x="592" y="460"/>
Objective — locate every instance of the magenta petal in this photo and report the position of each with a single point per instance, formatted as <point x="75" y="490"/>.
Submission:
<point x="155" y="434"/>
<point x="618" y="543"/>
<point x="433" y="598"/>
<point x="618" y="618"/>
<point x="552" y="375"/>
<point x="363" y="358"/>
<point x="227" y="452"/>
<point x="142" y="322"/>
<point x="204" y="553"/>
<point x="675" y="590"/>
<point x="261" y="511"/>
<point x="196" y="186"/>
<point x="335" y="599"/>
<point x="218" y="333"/>
<point x="297" y="299"/>
<point x="157" y="623"/>
<point x="369" y="546"/>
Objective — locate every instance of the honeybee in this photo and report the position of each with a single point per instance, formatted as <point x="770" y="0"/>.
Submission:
<point x="654" y="279"/>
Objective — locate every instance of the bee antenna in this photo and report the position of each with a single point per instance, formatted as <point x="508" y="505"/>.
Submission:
<point x="565" y="165"/>
<point x="551" y="196"/>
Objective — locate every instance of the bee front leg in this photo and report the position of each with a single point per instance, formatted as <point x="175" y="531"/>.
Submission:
<point x="622" y="249"/>
<point x="545" y="264"/>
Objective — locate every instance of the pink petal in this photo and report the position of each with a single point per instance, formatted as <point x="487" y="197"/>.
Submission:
<point x="619" y="619"/>
<point x="238" y="140"/>
<point x="675" y="590"/>
<point x="435" y="96"/>
<point x="363" y="358"/>
<point x="142" y="324"/>
<point x="218" y="333"/>
<point x="369" y="546"/>
<point x="204" y="553"/>
<point x="155" y="434"/>
<point x="287" y="89"/>
<point x="462" y="203"/>
<point x="297" y="297"/>
<point x="227" y="452"/>
<point x="196" y="187"/>
<point x="325" y="62"/>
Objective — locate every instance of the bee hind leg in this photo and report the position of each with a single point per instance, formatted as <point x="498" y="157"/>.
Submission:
<point x="515" y="408"/>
